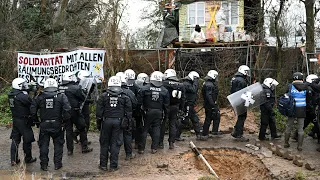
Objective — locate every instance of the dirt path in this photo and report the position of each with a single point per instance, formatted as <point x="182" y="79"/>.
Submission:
<point x="176" y="164"/>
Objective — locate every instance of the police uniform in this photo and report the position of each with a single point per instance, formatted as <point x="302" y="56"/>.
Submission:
<point x="177" y="99"/>
<point x="210" y="93"/>
<point x="19" y="103"/>
<point x="191" y="93"/>
<point x="239" y="82"/>
<point x="154" y="101"/>
<point x="138" y="118"/>
<point x="267" y="114"/>
<point x="114" y="110"/>
<point x="75" y="96"/>
<point x="127" y="133"/>
<point x="54" y="112"/>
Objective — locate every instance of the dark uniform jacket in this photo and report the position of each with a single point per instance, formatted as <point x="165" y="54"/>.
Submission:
<point x="238" y="82"/>
<point x="113" y="104"/>
<point x="152" y="97"/>
<point x="267" y="107"/>
<point x="19" y="102"/>
<point x="74" y="93"/>
<point x="174" y="85"/>
<point x="210" y="93"/>
<point x="52" y="105"/>
<point x="191" y="89"/>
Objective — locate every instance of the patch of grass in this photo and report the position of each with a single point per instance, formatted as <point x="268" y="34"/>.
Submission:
<point x="207" y="178"/>
<point x="281" y="121"/>
<point x="299" y="176"/>
<point x="93" y="123"/>
<point x="5" y="112"/>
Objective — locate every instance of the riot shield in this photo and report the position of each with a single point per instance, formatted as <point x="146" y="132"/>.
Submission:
<point x="89" y="86"/>
<point x="247" y="98"/>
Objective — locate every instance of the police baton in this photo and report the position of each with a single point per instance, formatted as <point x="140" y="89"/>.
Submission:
<point x="197" y="152"/>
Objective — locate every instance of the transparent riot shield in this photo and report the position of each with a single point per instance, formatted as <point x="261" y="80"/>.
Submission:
<point x="247" y="98"/>
<point x="89" y="86"/>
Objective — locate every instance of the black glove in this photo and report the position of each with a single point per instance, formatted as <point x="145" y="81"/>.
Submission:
<point x="99" y="120"/>
<point x="125" y="123"/>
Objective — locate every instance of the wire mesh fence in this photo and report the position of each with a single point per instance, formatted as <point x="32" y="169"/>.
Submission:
<point x="264" y="61"/>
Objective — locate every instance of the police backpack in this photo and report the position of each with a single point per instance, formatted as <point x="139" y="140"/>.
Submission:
<point x="286" y="104"/>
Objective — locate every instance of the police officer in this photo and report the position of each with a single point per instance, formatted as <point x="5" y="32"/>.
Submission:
<point x="127" y="133"/>
<point x="54" y="112"/>
<point x="190" y="83"/>
<point x="210" y="93"/>
<point x="81" y="76"/>
<point x="312" y="98"/>
<point x="267" y="113"/>
<point x="113" y="113"/>
<point x="154" y="98"/>
<point x="75" y="96"/>
<point x="298" y="90"/>
<point x="142" y="80"/>
<point x="19" y="103"/>
<point x="131" y="76"/>
<point x="177" y="100"/>
<point x="238" y="82"/>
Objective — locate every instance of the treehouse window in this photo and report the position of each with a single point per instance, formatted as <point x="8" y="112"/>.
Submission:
<point x="231" y="10"/>
<point x="196" y="12"/>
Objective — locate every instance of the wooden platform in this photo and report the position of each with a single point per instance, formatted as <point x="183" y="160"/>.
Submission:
<point x="187" y="44"/>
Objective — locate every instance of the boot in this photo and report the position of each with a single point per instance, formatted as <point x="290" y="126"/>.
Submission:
<point x="171" y="145"/>
<point x="300" y="142"/>
<point x="286" y="140"/>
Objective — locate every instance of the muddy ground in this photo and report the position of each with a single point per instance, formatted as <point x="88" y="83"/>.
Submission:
<point x="180" y="163"/>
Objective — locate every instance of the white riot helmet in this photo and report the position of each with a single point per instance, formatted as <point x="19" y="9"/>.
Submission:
<point x="143" y="77"/>
<point x="131" y="76"/>
<point x="119" y="73"/>
<point x="114" y="83"/>
<point x="213" y="74"/>
<point x="50" y="85"/>
<point x="68" y="77"/>
<point x="271" y="83"/>
<point x="20" y="84"/>
<point x="244" y="69"/>
<point x="156" y="78"/>
<point x="311" y="77"/>
<point x="170" y="73"/>
<point x="123" y="77"/>
<point x="193" y="75"/>
<point x="83" y="74"/>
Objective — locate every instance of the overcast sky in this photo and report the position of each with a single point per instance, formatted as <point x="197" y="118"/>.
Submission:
<point x="134" y="13"/>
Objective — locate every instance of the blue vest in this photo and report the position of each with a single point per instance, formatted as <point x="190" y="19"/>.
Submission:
<point x="299" y="96"/>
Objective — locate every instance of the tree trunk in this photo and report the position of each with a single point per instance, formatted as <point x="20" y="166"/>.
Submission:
<point x="61" y="15"/>
<point x="279" y="42"/>
<point x="309" y="5"/>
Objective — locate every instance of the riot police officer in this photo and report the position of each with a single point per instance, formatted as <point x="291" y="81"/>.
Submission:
<point x="154" y="98"/>
<point x="298" y="90"/>
<point x="131" y="76"/>
<point x="190" y="83"/>
<point x="54" y="112"/>
<point x="210" y="93"/>
<point x="177" y="100"/>
<point x="19" y="103"/>
<point x="127" y="133"/>
<point x="75" y="96"/>
<point x="142" y="80"/>
<point x="81" y="76"/>
<point x="267" y="113"/>
<point x="113" y="113"/>
<point x="238" y="82"/>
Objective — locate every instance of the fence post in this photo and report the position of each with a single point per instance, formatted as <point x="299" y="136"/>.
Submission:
<point x="159" y="61"/>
